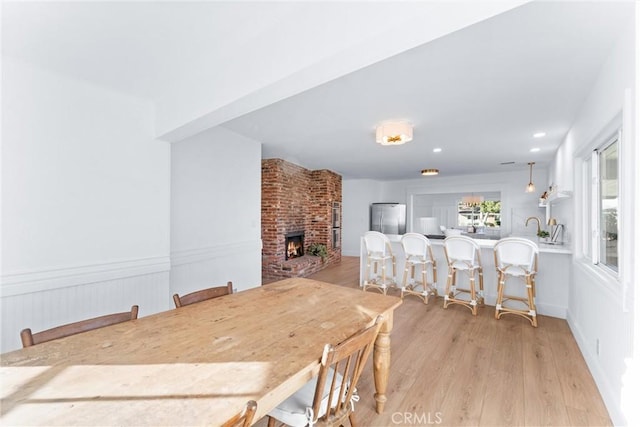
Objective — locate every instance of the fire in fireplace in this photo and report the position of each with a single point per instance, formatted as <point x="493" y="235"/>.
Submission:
<point x="294" y="244"/>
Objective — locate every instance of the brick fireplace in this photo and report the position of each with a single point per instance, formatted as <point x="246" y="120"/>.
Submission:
<point x="298" y="201"/>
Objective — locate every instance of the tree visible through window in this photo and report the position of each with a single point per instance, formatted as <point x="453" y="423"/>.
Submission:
<point x="483" y="214"/>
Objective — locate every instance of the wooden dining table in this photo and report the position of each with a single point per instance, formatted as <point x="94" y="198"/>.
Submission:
<point x="195" y="365"/>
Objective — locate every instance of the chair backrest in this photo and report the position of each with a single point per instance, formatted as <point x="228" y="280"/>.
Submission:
<point x="376" y="242"/>
<point x="340" y="369"/>
<point x="462" y="251"/>
<point x="416" y="245"/>
<point x="516" y="252"/>
<point x="203" y="294"/>
<point x="29" y="339"/>
<point x="245" y="417"/>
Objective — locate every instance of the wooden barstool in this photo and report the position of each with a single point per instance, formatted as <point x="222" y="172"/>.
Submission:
<point x="379" y="256"/>
<point x="463" y="255"/>
<point x="517" y="258"/>
<point x="418" y="255"/>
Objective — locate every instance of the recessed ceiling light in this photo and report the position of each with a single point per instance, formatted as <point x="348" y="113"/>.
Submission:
<point x="429" y="172"/>
<point x="534" y="150"/>
<point x="437" y="150"/>
<point x="539" y="134"/>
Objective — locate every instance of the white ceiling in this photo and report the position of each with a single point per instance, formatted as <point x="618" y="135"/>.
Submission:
<point x="478" y="93"/>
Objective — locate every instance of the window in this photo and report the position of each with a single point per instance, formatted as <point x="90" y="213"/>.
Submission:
<point x="605" y="205"/>
<point x="484" y="214"/>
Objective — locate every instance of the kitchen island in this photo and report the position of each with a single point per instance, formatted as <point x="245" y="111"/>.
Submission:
<point x="552" y="280"/>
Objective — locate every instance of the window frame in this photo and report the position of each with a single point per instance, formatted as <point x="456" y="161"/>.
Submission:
<point x="592" y="225"/>
<point x="460" y="207"/>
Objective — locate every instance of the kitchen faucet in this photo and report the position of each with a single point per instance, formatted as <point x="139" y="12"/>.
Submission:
<point x="537" y="220"/>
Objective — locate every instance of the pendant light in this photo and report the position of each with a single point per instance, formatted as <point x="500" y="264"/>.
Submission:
<point x="530" y="187"/>
<point x="472" y="200"/>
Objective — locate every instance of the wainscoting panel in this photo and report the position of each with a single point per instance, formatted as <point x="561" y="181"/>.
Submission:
<point x="46" y="302"/>
<point x="602" y="329"/>
<point x="239" y="262"/>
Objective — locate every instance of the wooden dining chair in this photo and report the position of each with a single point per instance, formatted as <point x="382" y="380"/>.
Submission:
<point x="329" y="399"/>
<point x="245" y="417"/>
<point x="28" y="338"/>
<point x="202" y="295"/>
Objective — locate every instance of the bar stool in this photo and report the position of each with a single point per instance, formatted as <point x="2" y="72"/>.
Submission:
<point x="379" y="256"/>
<point x="463" y="256"/>
<point x="517" y="258"/>
<point x="418" y="254"/>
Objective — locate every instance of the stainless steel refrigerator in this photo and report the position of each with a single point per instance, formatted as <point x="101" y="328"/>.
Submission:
<point x="388" y="218"/>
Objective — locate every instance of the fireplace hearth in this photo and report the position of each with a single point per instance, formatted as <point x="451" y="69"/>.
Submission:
<point x="294" y="245"/>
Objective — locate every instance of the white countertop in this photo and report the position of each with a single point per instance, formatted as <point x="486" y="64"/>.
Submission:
<point x="489" y="244"/>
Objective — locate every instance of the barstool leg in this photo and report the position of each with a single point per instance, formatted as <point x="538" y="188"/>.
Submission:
<point x="532" y="307"/>
<point x="472" y="288"/>
<point x="481" y="280"/>
<point x="384" y="277"/>
<point x="404" y="278"/>
<point x="447" y="290"/>
<point x="500" y="292"/>
<point x="425" y="286"/>
<point x="435" y="275"/>
<point x="368" y="274"/>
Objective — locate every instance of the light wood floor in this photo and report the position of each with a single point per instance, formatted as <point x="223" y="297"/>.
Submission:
<point x="453" y="369"/>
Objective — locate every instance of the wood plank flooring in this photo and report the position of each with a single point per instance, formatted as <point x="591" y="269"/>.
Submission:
<point x="453" y="369"/>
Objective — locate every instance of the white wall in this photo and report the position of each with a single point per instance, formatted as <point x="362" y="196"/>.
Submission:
<point x="357" y="195"/>
<point x="215" y="211"/>
<point x="600" y="309"/>
<point x="85" y="196"/>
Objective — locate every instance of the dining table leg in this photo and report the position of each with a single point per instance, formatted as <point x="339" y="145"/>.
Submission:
<point x="382" y="361"/>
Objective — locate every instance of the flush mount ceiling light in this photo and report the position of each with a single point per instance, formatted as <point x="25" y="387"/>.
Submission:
<point x="394" y="133"/>
<point x="539" y="134"/>
<point x="530" y="187"/>
<point x="430" y="172"/>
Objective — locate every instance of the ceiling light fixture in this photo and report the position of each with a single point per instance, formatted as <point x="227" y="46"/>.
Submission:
<point x="534" y="150"/>
<point x="430" y="172"/>
<point x="539" y="134"/>
<point x="530" y="187"/>
<point x="394" y="133"/>
<point x="437" y="150"/>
